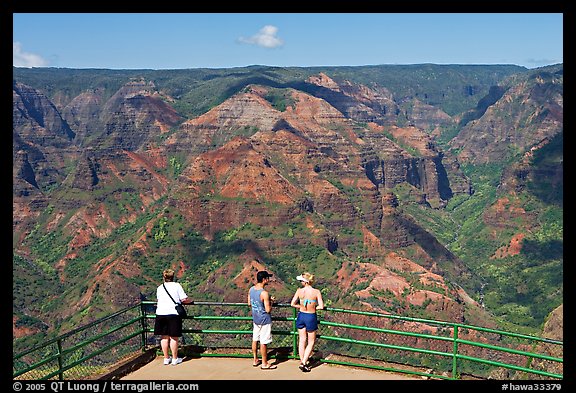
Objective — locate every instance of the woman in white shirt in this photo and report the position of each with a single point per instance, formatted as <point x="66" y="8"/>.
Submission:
<point x="168" y="323"/>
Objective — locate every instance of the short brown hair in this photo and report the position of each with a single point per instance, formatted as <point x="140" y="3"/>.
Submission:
<point x="168" y="275"/>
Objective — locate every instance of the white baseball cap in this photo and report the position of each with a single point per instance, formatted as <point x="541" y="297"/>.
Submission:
<point x="300" y="278"/>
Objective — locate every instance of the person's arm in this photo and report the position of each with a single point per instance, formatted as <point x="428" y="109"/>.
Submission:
<point x="184" y="299"/>
<point x="320" y="301"/>
<point x="294" y="300"/>
<point x="249" y="301"/>
<point x="266" y="299"/>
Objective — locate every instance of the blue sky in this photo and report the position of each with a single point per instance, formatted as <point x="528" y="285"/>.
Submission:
<point x="220" y="40"/>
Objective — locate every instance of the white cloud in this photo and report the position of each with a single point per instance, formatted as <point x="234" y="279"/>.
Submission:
<point x="266" y="38"/>
<point x="25" y="59"/>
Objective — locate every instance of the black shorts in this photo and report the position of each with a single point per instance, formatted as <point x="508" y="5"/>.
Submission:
<point x="168" y="325"/>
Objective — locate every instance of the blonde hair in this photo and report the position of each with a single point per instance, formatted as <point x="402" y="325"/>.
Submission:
<point x="168" y="275"/>
<point x="309" y="277"/>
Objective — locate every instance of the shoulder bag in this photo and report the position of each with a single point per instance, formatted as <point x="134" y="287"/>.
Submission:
<point x="179" y="307"/>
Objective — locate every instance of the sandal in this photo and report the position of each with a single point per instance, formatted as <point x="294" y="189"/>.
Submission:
<point x="256" y="364"/>
<point x="270" y="367"/>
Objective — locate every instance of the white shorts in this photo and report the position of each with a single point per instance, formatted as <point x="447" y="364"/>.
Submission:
<point x="262" y="333"/>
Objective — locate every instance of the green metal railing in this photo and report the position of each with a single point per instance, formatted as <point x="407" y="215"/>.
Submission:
<point x="434" y="349"/>
<point x="84" y="351"/>
<point x="451" y="345"/>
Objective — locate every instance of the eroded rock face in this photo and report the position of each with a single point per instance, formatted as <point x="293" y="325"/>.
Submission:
<point x="83" y="114"/>
<point x="313" y="143"/>
<point x="241" y="115"/>
<point x="135" y="115"/>
<point x="42" y="142"/>
<point x="428" y="118"/>
<point x="329" y="158"/>
<point x="37" y="120"/>
<point x="38" y="126"/>
<point x="244" y="144"/>
<point x="534" y="112"/>
<point x="357" y="102"/>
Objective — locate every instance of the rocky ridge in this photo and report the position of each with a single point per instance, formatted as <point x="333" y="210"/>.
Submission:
<point x="322" y="167"/>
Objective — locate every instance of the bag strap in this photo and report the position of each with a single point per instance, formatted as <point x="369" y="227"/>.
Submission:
<point x="169" y="294"/>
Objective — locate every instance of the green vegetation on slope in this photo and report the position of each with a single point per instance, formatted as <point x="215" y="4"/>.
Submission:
<point x="520" y="289"/>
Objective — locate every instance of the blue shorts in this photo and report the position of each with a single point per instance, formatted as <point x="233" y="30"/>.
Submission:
<point x="307" y="320"/>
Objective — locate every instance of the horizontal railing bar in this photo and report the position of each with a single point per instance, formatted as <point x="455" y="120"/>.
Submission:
<point x="389" y="316"/>
<point x="510" y="334"/>
<point x="184" y="330"/>
<point x="506" y="365"/>
<point x="233" y="318"/>
<point x="202" y="303"/>
<point x="354" y="341"/>
<point x="381" y="330"/>
<point x="216" y="331"/>
<point x="510" y="350"/>
<point x="450" y="324"/>
<point x="217" y="317"/>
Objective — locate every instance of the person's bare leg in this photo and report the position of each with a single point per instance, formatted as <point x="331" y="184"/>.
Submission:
<point x="164" y="345"/>
<point x="174" y="347"/>
<point x="255" y="351"/>
<point x="309" y="346"/>
<point x="264" y="354"/>
<point x="301" y="343"/>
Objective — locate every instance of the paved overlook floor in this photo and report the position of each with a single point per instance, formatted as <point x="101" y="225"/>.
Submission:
<point x="210" y="368"/>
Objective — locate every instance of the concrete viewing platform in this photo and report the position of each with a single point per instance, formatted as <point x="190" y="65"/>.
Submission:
<point x="220" y="368"/>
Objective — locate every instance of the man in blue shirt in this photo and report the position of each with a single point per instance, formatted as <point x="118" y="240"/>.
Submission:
<point x="261" y="304"/>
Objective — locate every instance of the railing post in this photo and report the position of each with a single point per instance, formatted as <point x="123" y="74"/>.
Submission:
<point x="454" y="353"/>
<point x="60" y="372"/>
<point x="143" y="325"/>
